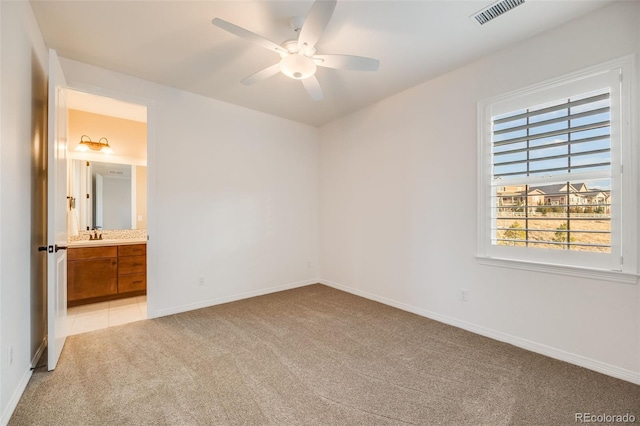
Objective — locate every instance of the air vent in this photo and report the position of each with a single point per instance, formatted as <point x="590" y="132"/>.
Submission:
<point x="494" y="10"/>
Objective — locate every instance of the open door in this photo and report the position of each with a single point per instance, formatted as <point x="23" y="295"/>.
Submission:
<point x="57" y="329"/>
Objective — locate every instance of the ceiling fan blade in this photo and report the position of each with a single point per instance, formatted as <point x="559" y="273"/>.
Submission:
<point x="248" y="35"/>
<point x="347" y="62"/>
<point x="317" y="20"/>
<point x="313" y="87"/>
<point x="261" y="75"/>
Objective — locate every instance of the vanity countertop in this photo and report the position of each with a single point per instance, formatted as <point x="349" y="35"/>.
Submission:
<point x="107" y="242"/>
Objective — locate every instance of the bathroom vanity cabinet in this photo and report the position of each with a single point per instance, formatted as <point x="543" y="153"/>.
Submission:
<point x="105" y="272"/>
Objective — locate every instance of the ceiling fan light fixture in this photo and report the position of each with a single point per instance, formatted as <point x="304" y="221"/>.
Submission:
<point x="297" y="67"/>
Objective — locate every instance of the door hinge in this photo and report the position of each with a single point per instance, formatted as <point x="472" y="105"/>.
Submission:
<point x="88" y="196"/>
<point x="621" y="260"/>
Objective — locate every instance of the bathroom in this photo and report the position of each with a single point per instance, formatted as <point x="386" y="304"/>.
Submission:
<point x="106" y="212"/>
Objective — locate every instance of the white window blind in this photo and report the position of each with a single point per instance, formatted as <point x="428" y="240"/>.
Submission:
<point x="548" y="140"/>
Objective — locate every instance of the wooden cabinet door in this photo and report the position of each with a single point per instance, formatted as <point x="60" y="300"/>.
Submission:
<point x="89" y="278"/>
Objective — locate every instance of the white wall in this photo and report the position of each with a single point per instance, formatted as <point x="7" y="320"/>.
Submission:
<point x="398" y="207"/>
<point x="22" y="55"/>
<point x="233" y="195"/>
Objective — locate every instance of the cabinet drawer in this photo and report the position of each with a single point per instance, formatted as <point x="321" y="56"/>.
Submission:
<point x="132" y="265"/>
<point x="78" y="253"/>
<point x="134" y="282"/>
<point x="132" y="250"/>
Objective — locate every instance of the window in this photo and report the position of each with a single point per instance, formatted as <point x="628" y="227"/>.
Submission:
<point x="557" y="182"/>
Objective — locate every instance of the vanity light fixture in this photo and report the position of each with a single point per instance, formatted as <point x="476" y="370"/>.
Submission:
<point x="87" y="145"/>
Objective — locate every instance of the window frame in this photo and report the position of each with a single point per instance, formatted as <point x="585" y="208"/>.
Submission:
<point x="621" y="264"/>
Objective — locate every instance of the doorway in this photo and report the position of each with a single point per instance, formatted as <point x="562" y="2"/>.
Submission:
<point x="107" y="212"/>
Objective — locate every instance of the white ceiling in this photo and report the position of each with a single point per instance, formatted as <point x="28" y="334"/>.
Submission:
<point x="174" y="43"/>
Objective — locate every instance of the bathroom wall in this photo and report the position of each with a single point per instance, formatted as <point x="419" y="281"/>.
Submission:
<point x="140" y="221"/>
<point x="127" y="138"/>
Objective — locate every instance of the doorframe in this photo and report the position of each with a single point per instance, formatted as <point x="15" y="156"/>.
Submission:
<point x="150" y="104"/>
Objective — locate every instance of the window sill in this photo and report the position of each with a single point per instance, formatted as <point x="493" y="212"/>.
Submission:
<point x="596" y="274"/>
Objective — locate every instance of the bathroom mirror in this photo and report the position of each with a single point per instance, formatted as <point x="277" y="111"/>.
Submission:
<point x="108" y="196"/>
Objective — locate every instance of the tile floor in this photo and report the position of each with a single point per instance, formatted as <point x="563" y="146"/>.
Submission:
<point x="106" y="314"/>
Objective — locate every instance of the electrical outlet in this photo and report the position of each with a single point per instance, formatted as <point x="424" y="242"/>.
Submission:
<point x="10" y="357"/>
<point x="464" y="295"/>
<point x="201" y="281"/>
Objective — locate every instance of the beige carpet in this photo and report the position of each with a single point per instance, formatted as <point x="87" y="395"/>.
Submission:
<point x="309" y="356"/>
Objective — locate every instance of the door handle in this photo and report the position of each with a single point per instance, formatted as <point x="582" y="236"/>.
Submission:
<point x="60" y="248"/>
<point x="42" y="248"/>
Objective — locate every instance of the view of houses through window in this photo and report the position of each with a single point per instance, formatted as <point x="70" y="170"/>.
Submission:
<point x="571" y="215"/>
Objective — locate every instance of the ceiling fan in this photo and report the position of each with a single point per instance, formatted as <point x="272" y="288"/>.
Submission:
<point x="298" y="58"/>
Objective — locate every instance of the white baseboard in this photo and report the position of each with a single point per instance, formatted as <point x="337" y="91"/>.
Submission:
<point x="38" y="354"/>
<point x="591" y="364"/>
<point x="227" y="299"/>
<point x="15" y="398"/>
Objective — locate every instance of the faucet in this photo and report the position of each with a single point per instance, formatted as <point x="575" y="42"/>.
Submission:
<point x="95" y="235"/>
